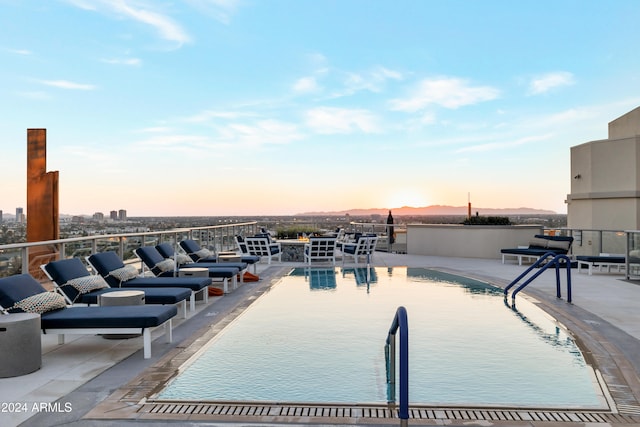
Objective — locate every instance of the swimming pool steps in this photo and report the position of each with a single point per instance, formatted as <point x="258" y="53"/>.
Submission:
<point x="375" y="414"/>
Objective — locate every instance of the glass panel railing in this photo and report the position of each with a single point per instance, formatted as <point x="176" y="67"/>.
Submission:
<point x="17" y="258"/>
<point x="633" y="254"/>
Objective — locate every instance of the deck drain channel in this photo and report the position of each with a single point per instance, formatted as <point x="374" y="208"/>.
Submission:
<point x="632" y="415"/>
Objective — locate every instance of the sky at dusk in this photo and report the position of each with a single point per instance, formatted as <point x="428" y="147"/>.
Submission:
<point x="256" y="107"/>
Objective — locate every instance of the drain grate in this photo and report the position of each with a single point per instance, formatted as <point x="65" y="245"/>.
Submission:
<point x="381" y="413"/>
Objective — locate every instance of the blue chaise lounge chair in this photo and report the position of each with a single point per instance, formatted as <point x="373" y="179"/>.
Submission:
<point x="195" y="260"/>
<point x="166" y="267"/>
<point x="112" y="269"/>
<point x="74" y="282"/>
<point x="198" y="254"/>
<point x="23" y="293"/>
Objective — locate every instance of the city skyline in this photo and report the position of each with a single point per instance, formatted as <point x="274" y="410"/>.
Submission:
<point x="212" y="108"/>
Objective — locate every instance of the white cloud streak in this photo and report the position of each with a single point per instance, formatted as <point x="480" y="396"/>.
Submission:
<point x="65" y="84"/>
<point x="210" y="115"/>
<point x="220" y="10"/>
<point x="23" y="52"/>
<point x="550" y="81"/>
<point x="331" y="120"/>
<point x="35" y="95"/>
<point x="492" y="146"/>
<point x="259" y="133"/>
<point x="141" y="12"/>
<point x="306" y="85"/>
<point x="135" y="62"/>
<point x="449" y="92"/>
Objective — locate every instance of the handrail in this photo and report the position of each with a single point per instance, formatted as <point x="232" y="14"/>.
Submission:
<point x="399" y="322"/>
<point x="218" y="234"/>
<point x="555" y="262"/>
<point x="531" y="267"/>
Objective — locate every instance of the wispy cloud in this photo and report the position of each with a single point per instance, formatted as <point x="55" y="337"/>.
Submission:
<point x="259" y="133"/>
<point x="492" y="146"/>
<point x="174" y="143"/>
<point x="90" y="155"/>
<point x="37" y="95"/>
<point x="211" y="115"/>
<point x="66" y="84"/>
<point x="123" y="61"/>
<point x="220" y="10"/>
<point x="230" y="134"/>
<point x="140" y="11"/>
<point x="157" y="129"/>
<point x="372" y="81"/>
<point x="24" y="52"/>
<point x="547" y="82"/>
<point x="337" y="83"/>
<point x="331" y="120"/>
<point x="447" y="92"/>
<point x="168" y="29"/>
<point x="306" y="85"/>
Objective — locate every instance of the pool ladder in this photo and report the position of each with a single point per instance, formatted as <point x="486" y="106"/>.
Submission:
<point x="555" y="262"/>
<point x="399" y="322"/>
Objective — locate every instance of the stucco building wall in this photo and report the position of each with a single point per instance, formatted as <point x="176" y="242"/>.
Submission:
<point x="605" y="179"/>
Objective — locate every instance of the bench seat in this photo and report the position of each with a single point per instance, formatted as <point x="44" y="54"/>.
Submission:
<point x="540" y="245"/>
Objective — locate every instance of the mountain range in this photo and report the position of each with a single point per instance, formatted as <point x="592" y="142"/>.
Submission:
<point x="434" y="210"/>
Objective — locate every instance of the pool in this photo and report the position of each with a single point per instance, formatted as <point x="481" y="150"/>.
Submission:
<point x="318" y="336"/>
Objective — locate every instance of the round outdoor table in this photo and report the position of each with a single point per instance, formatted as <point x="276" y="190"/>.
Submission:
<point x="20" y="344"/>
<point x="121" y="298"/>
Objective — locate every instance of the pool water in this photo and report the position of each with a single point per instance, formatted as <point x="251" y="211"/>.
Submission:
<point x="318" y="336"/>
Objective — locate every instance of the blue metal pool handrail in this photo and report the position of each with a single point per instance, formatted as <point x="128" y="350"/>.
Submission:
<point x="555" y="262"/>
<point x="399" y="322"/>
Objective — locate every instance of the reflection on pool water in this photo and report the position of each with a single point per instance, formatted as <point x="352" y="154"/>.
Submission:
<point x="318" y="336"/>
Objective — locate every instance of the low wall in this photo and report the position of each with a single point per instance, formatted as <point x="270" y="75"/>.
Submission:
<point x="467" y="241"/>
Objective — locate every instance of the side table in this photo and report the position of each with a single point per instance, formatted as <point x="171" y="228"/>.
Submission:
<point x="121" y="298"/>
<point x="20" y="344"/>
<point x="229" y="258"/>
<point x="195" y="272"/>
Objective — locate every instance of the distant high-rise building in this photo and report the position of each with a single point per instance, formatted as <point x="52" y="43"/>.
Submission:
<point x="113" y="215"/>
<point x="98" y="216"/>
<point x="122" y="215"/>
<point x="20" y="215"/>
<point x="0" y="215"/>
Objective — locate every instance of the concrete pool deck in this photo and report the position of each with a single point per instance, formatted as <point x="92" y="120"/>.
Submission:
<point x="90" y="381"/>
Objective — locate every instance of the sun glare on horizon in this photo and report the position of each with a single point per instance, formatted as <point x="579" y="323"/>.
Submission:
<point x="407" y="197"/>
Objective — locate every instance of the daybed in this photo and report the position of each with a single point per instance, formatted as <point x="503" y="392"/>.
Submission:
<point x="165" y="267"/>
<point x="112" y="269"/>
<point x="22" y="293"/>
<point x="540" y="245"/>
<point x="601" y="261"/>
<point x="73" y="281"/>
